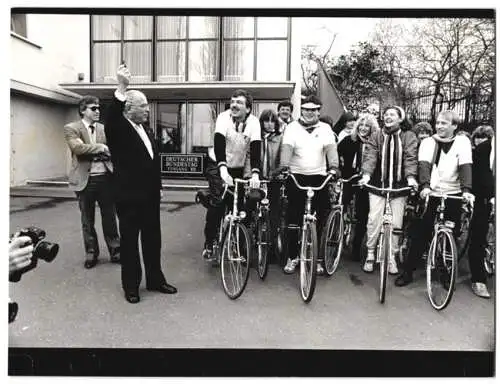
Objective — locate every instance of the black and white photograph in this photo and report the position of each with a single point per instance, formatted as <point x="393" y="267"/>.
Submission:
<point x="252" y="192"/>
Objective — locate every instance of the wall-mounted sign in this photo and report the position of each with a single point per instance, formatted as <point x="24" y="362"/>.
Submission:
<point x="190" y="164"/>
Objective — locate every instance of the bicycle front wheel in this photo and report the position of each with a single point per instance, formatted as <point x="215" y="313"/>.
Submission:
<point x="489" y="259"/>
<point x="235" y="260"/>
<point x="385" y="252"/>
<point x="331" y="241"/>
<point x="263" y="243"/>
<point x="441" y="269"/>
<point x="308" y="261"/>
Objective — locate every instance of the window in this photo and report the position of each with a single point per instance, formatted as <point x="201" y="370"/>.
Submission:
<point x="201" y="125"/>
<point x="174" y="49"/>
<point x="192" y="40"/>
<point x="18" y="24"/>
<point x="255" y="49"/>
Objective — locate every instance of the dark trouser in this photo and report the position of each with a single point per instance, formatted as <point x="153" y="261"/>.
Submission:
<point x="216" y="185"/>
<point x="362" y="207"/>
<point x="478" y="239"/>
<point x="424" y="229"/>
<point x="140" y="217"/>
<point x="296" y="205"/>
<point x="98" y="190"/>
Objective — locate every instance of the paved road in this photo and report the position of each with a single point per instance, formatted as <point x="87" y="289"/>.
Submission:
<point x="64" y="305"/>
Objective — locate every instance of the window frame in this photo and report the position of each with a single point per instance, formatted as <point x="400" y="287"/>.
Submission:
<point x="219" y="40"/>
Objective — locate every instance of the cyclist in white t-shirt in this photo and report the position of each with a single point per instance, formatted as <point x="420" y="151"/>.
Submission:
<point x="237" y="132"/>
<point x="306" y="147"/>
<point x="444" y="165"/>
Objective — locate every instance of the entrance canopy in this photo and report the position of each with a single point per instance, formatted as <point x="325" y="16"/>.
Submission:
<point x="220" y="90"/>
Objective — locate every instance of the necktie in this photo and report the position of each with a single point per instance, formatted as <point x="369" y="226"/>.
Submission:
<point x="92" y="128"/>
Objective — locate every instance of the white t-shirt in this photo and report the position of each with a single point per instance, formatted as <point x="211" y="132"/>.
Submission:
<point x="237" y="141"/>
<point x="444" y="176"/>
<point x="309" y="156"/>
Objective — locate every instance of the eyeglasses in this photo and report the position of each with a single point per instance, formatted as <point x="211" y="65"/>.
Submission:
<point x="95" y="108"/>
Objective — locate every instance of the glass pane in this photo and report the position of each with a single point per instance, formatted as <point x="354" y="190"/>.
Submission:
<point x="106" y="60"/>
<point x="257" y="108"/>
<point x="138" y="59"/>
<point x="168" y="127"/>
<point x="106" y="27"/>
<point x="271" y="60"/>
<point x="170" y="61"/>
<point x="272" y="26"/>
<point x="138" y="27"/>
<point x="237" y="27"/>
<point x="238" y="60"/>
<point x="201" y="122"/>
<point x="201" y="27"/>
<point x="171" y="27"/>
<point x="203" y="60"/>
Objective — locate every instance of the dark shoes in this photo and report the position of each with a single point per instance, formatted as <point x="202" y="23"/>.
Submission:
<point x="404" y="279"/>
<point x="90" y="263"/>
<point x="163" y="288"/>
<point x="115" y="259"/>
<point x="132" y="297"/>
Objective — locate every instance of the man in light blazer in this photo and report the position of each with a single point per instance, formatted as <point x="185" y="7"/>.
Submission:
<point x="90" y="178"/>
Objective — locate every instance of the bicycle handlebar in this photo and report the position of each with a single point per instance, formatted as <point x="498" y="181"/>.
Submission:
<point x="385" y="190"/>
<point x="350" y="178"/>
<point x="328" y="178"/>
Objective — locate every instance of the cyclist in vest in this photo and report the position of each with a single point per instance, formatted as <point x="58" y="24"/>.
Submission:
<point x="389" y="161"/>
<point x="444" y="165"/>
<point x="237" y="132"/>
<point x="308" y="144"/>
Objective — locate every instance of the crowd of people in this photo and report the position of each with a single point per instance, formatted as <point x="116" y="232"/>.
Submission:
<point x="117" y="165"/>
<point x="385" y="150"/>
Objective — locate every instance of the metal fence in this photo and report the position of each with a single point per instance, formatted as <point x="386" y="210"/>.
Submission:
<point x="472" y="110"/>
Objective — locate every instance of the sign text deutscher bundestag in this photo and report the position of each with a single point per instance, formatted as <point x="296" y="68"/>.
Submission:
<point x="181" y="163"/>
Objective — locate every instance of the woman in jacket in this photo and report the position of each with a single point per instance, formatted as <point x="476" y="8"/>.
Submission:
<point x="389" y="161"/>
<point x="350" y="155"/>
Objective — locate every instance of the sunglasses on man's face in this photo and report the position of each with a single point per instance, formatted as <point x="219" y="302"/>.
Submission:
<point x="94" y="108"/>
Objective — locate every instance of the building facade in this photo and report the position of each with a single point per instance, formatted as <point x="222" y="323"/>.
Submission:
<point x="187" y="66"/>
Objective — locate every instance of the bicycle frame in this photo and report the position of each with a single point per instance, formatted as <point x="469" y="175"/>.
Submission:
<point x="308" y="216"/>
<point x="387" y="216"/>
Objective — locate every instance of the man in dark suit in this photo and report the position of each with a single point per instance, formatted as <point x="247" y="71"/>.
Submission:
<point x="90" y="177"/>
<point x="137" y="185"/>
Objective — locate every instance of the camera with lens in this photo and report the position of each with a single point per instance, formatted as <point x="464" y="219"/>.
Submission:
<point x="43" y="250"/>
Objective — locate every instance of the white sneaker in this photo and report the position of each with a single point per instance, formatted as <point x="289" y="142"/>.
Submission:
<point x="393" y="267"/>
<point x="291" y="265"/>
<point x="370" y="260"/>
<point x="319" y="269"/>
<point x="480" y="290"/>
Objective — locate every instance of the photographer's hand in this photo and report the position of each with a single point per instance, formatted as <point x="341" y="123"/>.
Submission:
<point x="19" y="253"/>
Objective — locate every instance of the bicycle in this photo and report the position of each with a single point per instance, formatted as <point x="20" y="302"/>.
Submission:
<point x="308" y="255"/>
<point x="412" y="213"/>
<point x="384" y="248"/>
<point x="442" y="258"/>
<point x="281" y="245"/>
<point x="337" y="228"/>
<point x="489" y="259"/>
<point x="262" y="231"/>
<point x="232" y="246"/>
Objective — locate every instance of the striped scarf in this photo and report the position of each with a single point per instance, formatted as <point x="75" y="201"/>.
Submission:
<point x="392" y="159"/>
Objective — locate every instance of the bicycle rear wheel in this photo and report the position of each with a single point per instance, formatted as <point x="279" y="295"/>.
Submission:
<point x="331" y="241"/>
<point x="308" y="261"/>
<point x="235" y="260"/>
<point x="441" y="269"/>
<point x="385" y="252"/>
<point x="263" y="243"/>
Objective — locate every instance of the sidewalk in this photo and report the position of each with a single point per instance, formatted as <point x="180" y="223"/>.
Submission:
<point x="175" y="190"/>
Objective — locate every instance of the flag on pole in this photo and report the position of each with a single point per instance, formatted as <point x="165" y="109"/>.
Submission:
<point x="329" y="96"/>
